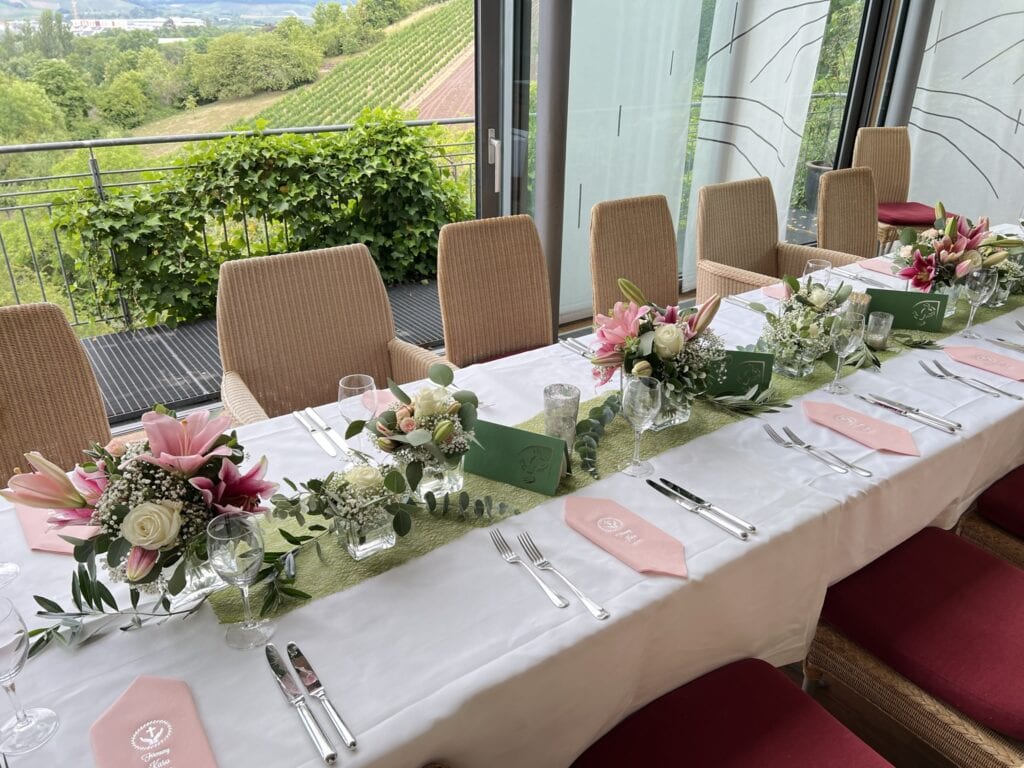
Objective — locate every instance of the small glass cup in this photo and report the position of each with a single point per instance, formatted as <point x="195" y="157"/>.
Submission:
<point x="824" y="266"/>
<point x="561" y="410"/>
<point x="876" y="334"/>
<point x="357" y="401"/>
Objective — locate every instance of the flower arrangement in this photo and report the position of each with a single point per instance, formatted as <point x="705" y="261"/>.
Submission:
<point x="799" y="333"/>
<point x="678" y="349"/>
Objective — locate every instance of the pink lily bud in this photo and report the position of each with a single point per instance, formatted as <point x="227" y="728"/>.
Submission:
<point x="140" y="562"/>
<point x="964" y="268"/>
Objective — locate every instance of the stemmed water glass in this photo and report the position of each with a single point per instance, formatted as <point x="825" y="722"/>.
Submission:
<point x="29" y="729"/>
<point x="641" y="403"/>
<point x="235" y="546"/>
<point x="979" y="285"/>
<point x="847" y="335"/>
<point x="819" y="265"/>
<point x="357" y="398"/>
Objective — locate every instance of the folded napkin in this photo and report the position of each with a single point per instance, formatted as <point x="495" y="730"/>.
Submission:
<point x="153" y="723"/>
<point x="640" y="545"/>
<point x="776" y="291"/>
<point x="378" y="400"/>
<point x="42" y="538"/>
<point x="987" y="360"/>
<point x="880" y="435"/>
<point x="877" y="264"/>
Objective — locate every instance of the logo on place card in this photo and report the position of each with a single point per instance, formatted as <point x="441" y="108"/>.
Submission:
<point x="750" y="373"/>
<point x="852" y="423"/>
<point x="609" y="524"/>
<point x="990" y="360"/>
<point x="152" y="734"/>
<point x="924" y="311"/>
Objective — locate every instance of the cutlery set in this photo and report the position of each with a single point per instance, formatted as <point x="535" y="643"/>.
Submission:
<point x="1006" y="344"/>
<point x="829" y="459"/>
<point x="941" y="372"/>
<point x="297" y="699"/>
<point x="711" y="513"/>
<point x="912" y="413"/>
<point x="575" y="346"/>
<point x="543" y="564"/>
<point x="325" y="435"/>
<point x="862" y="278"/>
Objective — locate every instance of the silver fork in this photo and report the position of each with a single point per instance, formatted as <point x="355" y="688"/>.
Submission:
<point x="828" y="454"/>
<point x="542" y="563"/>
<point x="863" y="278"/>
<point x="511" y="557"/>
<point x="994" y="388"/>
<point x="978" y="384"/>
<point x="787" y="444"/>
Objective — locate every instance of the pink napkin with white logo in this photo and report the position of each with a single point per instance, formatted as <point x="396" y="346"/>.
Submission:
<point x="878" y="264"/>
<point x="776" y="291"/>
<point x="153" y="723"/>
<point x="874" y="433"/>
<point x="640" y="545"/>
<point x="42" y="538"/>
<point x="989" y="361"/>
<point x="378" y="400"/>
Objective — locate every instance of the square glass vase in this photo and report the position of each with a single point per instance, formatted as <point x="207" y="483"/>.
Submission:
<point x="363" y="540"/>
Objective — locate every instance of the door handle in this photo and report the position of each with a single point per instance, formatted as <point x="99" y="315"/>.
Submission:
<point x="494" y="158"/>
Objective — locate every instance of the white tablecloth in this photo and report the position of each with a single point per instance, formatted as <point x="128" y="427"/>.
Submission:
<point x="456" y="655"/>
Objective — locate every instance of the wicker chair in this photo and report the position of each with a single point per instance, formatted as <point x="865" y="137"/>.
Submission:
<point x="49" y="399"/>
<point x="847" y="212"/>
<point x="886" y="151"/>
<point x="738" y="248"/>
<point x="493" y="286"/>
<point x="633" y="238"/>
<point x="932" y="586"/>
<point x="291" y="325"/>
<point x="996" y="522"/>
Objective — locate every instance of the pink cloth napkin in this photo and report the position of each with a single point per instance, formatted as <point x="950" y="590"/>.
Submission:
<point x="775" y="291"/>
<point x="378" y="400"/>
<point x="640" y="545"/>
<point x="877" y="264"/>
<point x="989" y="361"/>
<point x="153" y="723"/>
<point x="880" y="435"/>
<point x="39" y="536"/>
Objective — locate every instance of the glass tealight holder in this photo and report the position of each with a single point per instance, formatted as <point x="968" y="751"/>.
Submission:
<point x="876" y="334"/>
<point x="561" y="410"/>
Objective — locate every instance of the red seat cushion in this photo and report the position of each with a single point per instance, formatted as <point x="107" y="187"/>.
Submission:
<point x="742" y="715"/>
<point x="906" y="214"/>
<point x="1003" y="503"/>
<point x="946" y="615"/>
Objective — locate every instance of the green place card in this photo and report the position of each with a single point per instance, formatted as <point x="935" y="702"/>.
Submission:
<point x="910" y="309"/>
<point x="517" y="457"/>
<point x="744" y="370"/>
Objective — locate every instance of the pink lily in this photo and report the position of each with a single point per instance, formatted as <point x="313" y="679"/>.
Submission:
<point x="971" y="237"/>
<point x="183" y="446"/>
<point x="701" y="319"/>
<point x="921" y="273"/>
<point x="90" y="484"/>
<point x="964" y="268"/>
<point x="671" y="315"/>
<point x="624" y="323"/>
<point x="140" y="562"/>
<point x="62" y="518"/>
<point x="234" y="492"/>
<point x="46" y="488"/>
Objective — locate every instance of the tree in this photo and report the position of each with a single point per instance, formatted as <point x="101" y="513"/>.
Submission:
<point x="124" y="102"/>
<point x="65" y="87"/>
<point x="27" y="116"/>
<point x="52" y="38"/>
<point x="380" y="13"/>
<point x="238" y="65"/>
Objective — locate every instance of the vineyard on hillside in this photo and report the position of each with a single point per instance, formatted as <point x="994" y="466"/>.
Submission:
<point x="387" y="75"/>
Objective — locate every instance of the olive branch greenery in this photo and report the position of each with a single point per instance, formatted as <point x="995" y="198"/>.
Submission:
<point x="751" y="403"/>
<point x="590" y="430"/>
<point x="915" y="342"/>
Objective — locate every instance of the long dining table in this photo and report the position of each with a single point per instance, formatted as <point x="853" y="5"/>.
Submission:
<point x="456" y="656"/>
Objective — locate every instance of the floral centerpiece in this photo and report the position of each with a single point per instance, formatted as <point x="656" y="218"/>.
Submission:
<point x="678" y="349"/>
<point x="428" y="433"/>
<point x="798" y="334"/>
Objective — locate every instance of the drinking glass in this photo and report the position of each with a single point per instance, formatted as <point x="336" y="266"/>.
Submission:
<point x="561" y="411"/>
<point x="847" y="335"/>
<point x="641" y="403"/>
<point x="980" y="285"/>
<point x="357" y="399"/>
<point x="819" y="265"/>
<point x="29" y="729"/>
<point x="235" y="546"/>
<point x="876" y="334"/>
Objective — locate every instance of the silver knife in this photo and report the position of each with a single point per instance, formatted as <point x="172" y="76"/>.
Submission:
<point x="328" y="430"/>
<point x="739" y="533"/>
<point x="291" y="692"/>
<point x="912" y="409"/>
<point x="714" y="508"/>
<point x="1007" y="344"/>
<point x="862" y="278"/>
<point x="572" y="347"/>
<point x="908" y="414"/>
<point x="316" y="689"/>
<point x="318" y="436"/>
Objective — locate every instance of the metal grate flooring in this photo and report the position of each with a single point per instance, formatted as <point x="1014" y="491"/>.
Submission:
<point x="417" y="313"/>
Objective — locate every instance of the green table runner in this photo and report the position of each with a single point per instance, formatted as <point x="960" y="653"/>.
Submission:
<point x="338" y="571"/>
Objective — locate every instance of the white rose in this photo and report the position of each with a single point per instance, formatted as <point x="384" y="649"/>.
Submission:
<point x="153" y="524"/>
<point x="429" y="402"/>
<point x="818" y="297"/>
<point x="668" y="341"/>
<point x="907" y="252"/>
<point x="363" y="477"/>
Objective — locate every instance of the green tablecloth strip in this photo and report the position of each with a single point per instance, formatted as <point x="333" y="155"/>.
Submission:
<point x="338" y="571"/>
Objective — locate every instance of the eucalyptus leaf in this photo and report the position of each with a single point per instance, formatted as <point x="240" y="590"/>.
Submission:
<point x="441" y="374"/>
<point x="418" y="437"/>
<point x="354" y="428"/>
<point x="398" y="392"/>
<point x="413" y="474"/>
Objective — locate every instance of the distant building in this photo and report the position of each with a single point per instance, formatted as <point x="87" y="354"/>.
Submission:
<point x="95" y="26"/>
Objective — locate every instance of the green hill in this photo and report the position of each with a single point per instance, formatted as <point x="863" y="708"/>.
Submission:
<point x="387" y="75"/>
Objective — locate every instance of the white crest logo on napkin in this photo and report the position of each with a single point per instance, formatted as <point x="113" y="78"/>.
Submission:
<point x="609" y="524"/>
<point x="152" y="734"/>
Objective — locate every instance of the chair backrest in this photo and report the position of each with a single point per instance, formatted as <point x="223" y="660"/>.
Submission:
<point x="848" y="212"/>
<point x="886" y="151"/>
<point x="292" y="325"/>
<point x="738" y="225"/>
<point x="493" y="285"/>
<point x="49" y="399"/>
<point x="633" y="238"/>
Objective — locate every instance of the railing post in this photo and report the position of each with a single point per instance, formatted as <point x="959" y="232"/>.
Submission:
<point x="101" y="193"/>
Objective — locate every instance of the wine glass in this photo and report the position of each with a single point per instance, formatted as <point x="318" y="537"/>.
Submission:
<point x="29" y="729"/>
<point x="641" y="402"/>
<point x="235" y="546"/>
<point x="980" y="285"/>
<point x="847" y="335"/>
<point x="819" y="265"/>
<point x="357" y="398"/>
